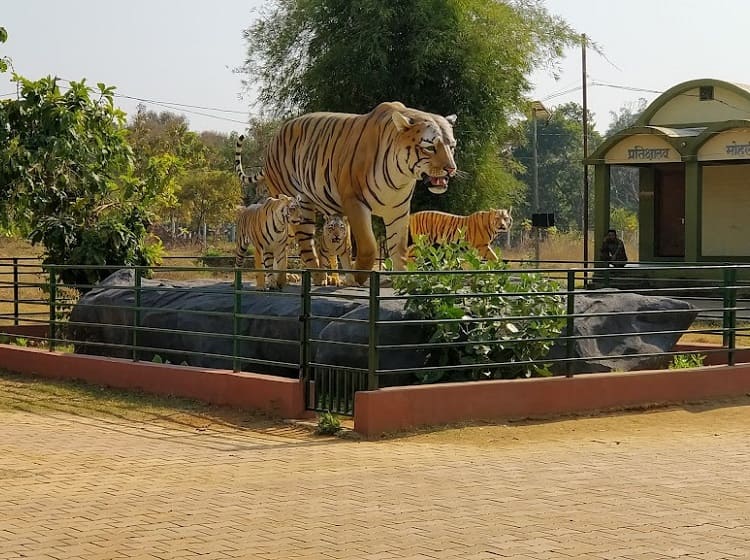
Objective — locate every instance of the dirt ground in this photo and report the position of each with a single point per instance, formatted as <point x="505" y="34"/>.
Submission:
<point x="724" y="416"/>
<point x="25" y="393"/>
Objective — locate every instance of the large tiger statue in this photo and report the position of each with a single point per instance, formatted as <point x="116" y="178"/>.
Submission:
<point x="358" y="166"/>
<point x="479" y="228"/>
<point x="265" y="226"/>
<point x="334" y="242"/>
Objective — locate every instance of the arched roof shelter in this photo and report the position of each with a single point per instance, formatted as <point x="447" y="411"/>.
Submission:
<point x="691" y="146"/>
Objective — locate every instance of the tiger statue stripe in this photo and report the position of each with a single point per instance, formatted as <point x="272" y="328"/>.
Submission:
<point x="479" y="228"/>
<point x="265" y="226"/>
<point x="335" y="244"/>
<point x="358" y="166"/>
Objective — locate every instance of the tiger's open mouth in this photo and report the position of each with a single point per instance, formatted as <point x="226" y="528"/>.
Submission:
<point x="438" y="185"/>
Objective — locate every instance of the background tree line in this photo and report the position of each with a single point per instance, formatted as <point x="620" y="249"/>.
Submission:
<point x="88" y="184"/>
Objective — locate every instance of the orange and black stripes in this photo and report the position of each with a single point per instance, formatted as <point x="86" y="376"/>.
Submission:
<point x="479" y="229"/>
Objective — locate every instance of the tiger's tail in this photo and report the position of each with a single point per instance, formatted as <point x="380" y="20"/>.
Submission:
<point x="250" y="194"/>
<point x="244" y="177"/>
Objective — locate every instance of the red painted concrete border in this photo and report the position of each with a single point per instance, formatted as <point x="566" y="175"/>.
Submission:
<point x="274" y="395"/>
<point x="399" y="408"/>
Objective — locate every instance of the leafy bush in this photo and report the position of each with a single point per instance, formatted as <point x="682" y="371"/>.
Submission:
<point x="684" y="361"/>
<point x="492" y="317"/>
<point x="328" y="424"/>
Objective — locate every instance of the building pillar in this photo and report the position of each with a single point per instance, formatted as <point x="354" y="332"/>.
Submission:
<point x="692" y="211"/>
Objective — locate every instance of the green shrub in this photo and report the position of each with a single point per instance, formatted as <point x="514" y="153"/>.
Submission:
<point x="487" y="292"/>
<point x="328" y="424"/>
<point x="683" y="361"/>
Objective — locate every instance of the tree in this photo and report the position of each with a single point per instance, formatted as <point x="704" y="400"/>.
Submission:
<point x="469" y="57"/>
<point x="624" y="180"/>
<point x="67" y="177"/>
<point x="560" y="160"/>
<point x="193" y="172"/>
<point x="210" y="198"/>
<point x="4" y="60"/>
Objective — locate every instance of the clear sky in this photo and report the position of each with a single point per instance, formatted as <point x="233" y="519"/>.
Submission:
<point x="172" y="51"/>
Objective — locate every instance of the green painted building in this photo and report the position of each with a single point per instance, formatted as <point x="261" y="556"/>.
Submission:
<point x="692" y="149"/>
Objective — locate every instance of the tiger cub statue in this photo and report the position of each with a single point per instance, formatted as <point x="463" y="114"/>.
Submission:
<point x="479" y="228"/>
<point x="334" y="244"/>
<point x="265" y="226"/>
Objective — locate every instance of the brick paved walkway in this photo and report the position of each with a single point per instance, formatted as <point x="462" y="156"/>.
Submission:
<point x="74" y="487"/>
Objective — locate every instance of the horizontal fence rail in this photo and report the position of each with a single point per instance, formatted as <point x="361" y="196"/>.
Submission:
<point x="340" y="341"/>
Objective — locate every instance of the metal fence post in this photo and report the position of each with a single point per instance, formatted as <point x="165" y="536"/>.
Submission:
<point x="374" y="316"/>
<point x="569" y="321"/>
<point x="136" y="311"/>
<point x="52" y="309"/>
<point x="237" y="309"/>
<point x="304" y="347"/>
<point x="15" y="291"/>
<point x="729" y="319"/>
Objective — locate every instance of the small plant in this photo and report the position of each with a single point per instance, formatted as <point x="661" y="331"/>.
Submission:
<point x="683" y="361"/>
<point x="19" y="341"/>
<point x="157" y="359"/>
<point x="328" y="424"/>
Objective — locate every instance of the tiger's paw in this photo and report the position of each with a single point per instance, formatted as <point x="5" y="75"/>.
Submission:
<point x="349" y="281"/>
<point x="335" y="280"/>
<point x="319" y="279"/>
<point x="272" y="283"/>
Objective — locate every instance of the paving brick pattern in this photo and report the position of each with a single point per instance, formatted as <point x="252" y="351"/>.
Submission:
<point x="75" y="487"/>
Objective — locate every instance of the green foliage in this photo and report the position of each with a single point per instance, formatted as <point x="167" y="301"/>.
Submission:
<point x="4" y="61"/>
<point x="68" y="178"/>
<point x="489" y="291"/>
<point x="210" y="197"/>
<point x="683" y="361"/>
<point x="192" y="173"/>
<point x="559" y="156"/>
<point x="469" y="57"/>
<point x="328" y="424"/>
<point x="624" y="221"/>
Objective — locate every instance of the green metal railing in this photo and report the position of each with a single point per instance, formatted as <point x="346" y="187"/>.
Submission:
<point x="241" y="342"/>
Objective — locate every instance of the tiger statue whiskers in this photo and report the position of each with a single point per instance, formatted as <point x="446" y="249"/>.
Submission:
<point x="334" y="242"/>
<point x="265" y="226"/>
<point x="358" y="166"/>
<point x="479" y="228"/>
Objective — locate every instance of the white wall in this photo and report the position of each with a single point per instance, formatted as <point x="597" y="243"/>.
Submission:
<point x="726" y="211"/>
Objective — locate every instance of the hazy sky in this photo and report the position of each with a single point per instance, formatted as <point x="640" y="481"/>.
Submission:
<point x="184" y="51"/>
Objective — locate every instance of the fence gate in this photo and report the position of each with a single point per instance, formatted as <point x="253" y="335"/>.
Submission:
<point x="332" y="389"/>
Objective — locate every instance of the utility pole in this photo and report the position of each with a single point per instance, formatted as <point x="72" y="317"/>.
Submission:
<point x="537" y="110"/>
<point x="585" y="155"/>
<point x="535" y="164"/>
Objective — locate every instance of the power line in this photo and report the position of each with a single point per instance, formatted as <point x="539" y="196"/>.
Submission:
<point x="180" y="104"/>
<point x="174" y="106"/>
<point x="628" y="88"/>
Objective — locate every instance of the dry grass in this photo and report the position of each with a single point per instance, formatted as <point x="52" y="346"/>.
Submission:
<point x="561" y="248"/>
